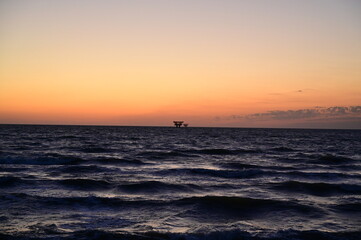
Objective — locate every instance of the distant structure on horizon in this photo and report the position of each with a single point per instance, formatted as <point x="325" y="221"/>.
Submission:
<point x="185" y="124"/>
<point x="178" y="124"/>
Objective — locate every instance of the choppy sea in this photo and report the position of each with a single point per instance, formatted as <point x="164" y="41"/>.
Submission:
<point x="93" y="182"/>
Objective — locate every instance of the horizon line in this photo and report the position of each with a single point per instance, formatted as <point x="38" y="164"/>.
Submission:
<point x="170" y="126"/>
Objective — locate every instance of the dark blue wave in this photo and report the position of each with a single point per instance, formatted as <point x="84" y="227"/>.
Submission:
<point x="332" y="159"/>
<point x="121" y="161"/>
<point x="240" y="207"/>
<point x="156" y="187"/>
<point x="164" y="154"/>
<point x="246" y="208"/>
<point x="52" y="232"/>
<point x="282" y="149"/>
<point x="46" y="159"/>
<point x="353" y="208"/>
<point x="95" y="149"/>
<point x="317" y="189"/>
<point x="79" y="169"/>
<point x="85" y="184"/>
<point x="65" y="202"/>
<point x="224" y="151"/>
<point x="10" y="181"/>
<point x="247" y="173"/>
<point x="191" y="153"/>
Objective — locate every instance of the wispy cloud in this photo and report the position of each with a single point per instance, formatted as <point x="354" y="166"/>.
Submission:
<point x="317" y="112"/>
<point x="298" y="91"/>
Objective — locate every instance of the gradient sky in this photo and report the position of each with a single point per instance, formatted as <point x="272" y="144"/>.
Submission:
<point x="255" y="63"/>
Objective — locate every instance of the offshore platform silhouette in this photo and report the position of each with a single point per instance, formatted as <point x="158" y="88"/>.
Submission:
<point x="178" y="124"/>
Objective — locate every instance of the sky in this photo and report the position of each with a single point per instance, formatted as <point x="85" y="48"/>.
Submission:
<point x="229" y="63"/>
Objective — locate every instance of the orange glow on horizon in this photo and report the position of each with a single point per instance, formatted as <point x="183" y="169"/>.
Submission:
<point x="147" y="64"/>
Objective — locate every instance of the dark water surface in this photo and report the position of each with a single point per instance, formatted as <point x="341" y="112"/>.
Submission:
<point x="80" y="182"/>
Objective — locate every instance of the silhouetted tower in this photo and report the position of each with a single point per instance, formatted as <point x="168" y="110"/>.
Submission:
<point x="178" y="123"/>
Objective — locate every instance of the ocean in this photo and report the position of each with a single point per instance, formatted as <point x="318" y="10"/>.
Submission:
<point x="95" y="182"/>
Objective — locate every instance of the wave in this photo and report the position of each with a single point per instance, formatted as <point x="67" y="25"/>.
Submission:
<point x="43" y="232"/>
<point x="137" y="187"/>
<point x="10" y="181"/>
<point x="70" y="137"/>
<point x="47" y="159"/>
<point x="224" y="151"/>
<point x="95" y="149"/>
<point x="322" y="175"/>
<point x="195" y="153"/>
<point x="324" y="160"/>
<point x="248" y="173"/>
<point x="317" y="189"/>
<point x="156" y="186"/>
<point x="244" y="207"/>
<point x="20" y="148"/>
<point x="12" y="169"/>
<point x="251" y="173"/>
<point x="63" y="202"/>
<point x="78" y="169"/>
<point x="164" y="154"/>
<point x="354" y="208"/>
<point x="45" y="229"/>
<point x="242" y="166"/>
<point x="329" y="159"/>
<point x="237" y="165"/>
<point x="109" y="160"/>
<point x="218" y="206"/>
<point x="282" y="149"/>
<point x="85" y="184"/>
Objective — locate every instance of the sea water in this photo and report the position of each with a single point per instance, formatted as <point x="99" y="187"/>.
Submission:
<point x="92" y="182"/>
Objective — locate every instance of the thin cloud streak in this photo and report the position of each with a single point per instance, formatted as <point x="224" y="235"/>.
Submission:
<point x="298" y="91"/>
<point x="310" y="113"/>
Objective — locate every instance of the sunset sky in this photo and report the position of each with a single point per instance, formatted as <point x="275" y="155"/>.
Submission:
<point x="231" y="63"/>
